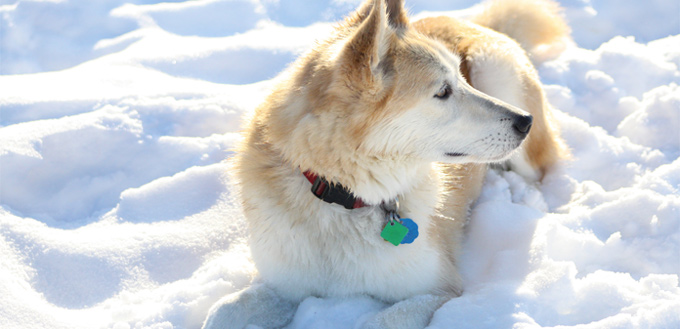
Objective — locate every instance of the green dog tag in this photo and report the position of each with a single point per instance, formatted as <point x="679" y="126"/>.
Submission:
<point x="394" y="232"/>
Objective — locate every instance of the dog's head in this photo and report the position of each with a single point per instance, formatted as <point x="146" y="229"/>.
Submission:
<point x="383" y="90"/>
<point x="428" y="109"/>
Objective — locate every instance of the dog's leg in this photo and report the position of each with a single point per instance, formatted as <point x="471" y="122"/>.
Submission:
<point x="413" y="313"/>
<point x="258" y="305"/>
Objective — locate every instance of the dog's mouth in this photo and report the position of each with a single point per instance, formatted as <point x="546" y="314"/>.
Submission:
<point x="455" y="154"/>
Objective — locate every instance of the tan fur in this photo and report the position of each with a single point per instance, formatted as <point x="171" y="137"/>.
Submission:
<point x="339" y="112"/>
<point x="517" y="19"/>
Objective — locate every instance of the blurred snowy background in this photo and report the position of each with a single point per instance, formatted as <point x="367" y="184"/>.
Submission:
<point x="116" y="118"/>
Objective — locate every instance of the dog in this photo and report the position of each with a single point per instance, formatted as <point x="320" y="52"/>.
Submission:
<point x="357" y="173"/>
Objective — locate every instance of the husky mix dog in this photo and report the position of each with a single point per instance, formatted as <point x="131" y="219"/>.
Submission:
<point x="357" y="173"/>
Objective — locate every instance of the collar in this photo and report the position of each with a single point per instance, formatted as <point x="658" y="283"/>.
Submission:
<point x="333" y="193"/>
<point x="396" y="231"/>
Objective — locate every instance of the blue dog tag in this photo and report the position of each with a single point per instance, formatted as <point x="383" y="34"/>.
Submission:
<point x="412" y="230"/>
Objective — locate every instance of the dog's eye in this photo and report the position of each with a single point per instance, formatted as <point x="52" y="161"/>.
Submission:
<point x="445" y="92"/>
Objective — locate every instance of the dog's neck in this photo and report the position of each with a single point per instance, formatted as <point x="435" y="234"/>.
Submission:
<point x="377" y="181"/>
<point x="324" y="144"/>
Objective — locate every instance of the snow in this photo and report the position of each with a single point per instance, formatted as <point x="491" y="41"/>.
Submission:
<point x="116" y="206"/>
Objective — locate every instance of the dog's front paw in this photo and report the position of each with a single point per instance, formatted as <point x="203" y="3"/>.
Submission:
<point x="258" y="305"/>
<point x="413" y="313"/>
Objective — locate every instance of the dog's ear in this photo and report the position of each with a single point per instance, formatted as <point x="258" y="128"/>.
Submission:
<point x="397" y="13"/>
<point x="363" y="53"/>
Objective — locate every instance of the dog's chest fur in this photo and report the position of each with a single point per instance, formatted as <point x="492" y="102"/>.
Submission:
<point x="303" y="246"/>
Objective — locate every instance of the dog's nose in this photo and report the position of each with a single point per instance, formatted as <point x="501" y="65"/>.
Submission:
<point x="522" y="124"/>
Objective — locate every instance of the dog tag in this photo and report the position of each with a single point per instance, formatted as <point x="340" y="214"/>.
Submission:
<point x="394" y="232"/>
<point x="412" y="230"/>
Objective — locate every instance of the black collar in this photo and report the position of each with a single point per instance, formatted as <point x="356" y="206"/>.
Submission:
<point x="333" y="193"/>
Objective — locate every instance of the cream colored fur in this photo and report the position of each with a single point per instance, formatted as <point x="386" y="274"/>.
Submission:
<point x="360" y="110"/>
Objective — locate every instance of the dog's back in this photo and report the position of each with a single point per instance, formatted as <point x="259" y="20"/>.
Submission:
<point x="529" y="22"/>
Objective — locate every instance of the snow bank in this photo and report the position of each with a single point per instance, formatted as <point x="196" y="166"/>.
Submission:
<point x="117" y="210"/>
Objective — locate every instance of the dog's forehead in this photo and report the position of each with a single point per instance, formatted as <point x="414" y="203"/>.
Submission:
<point x="430" y="56"/>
